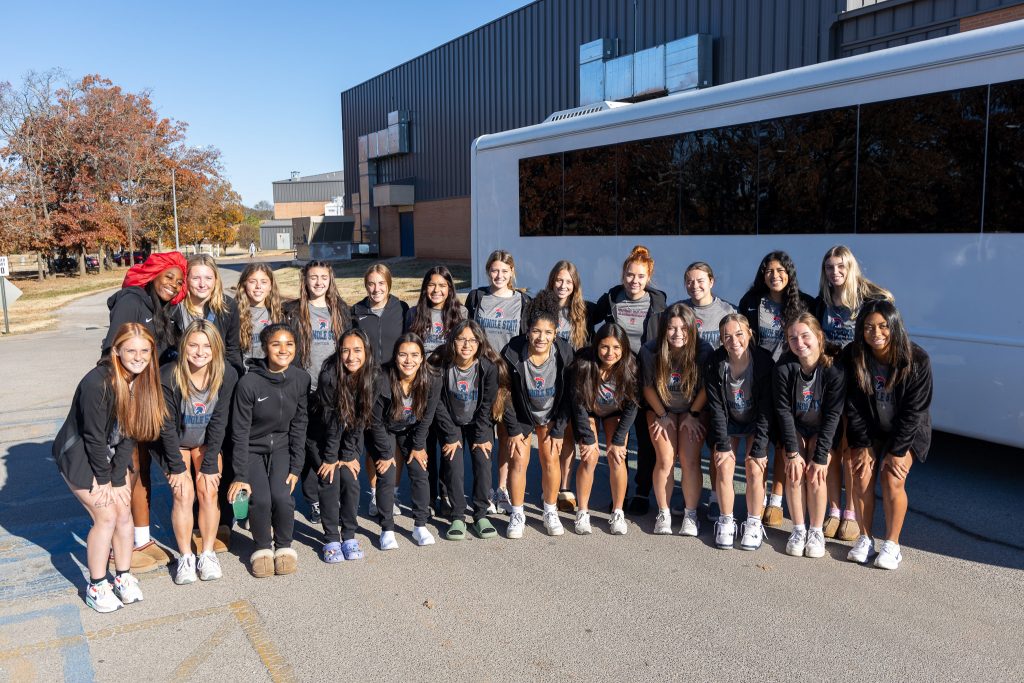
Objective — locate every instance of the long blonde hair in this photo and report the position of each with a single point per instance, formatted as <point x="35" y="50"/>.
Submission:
<point x="216" y="301"/>
<point x="857" y="288"/>
<point x="272" y="303"/>
<point x="139" y="408"/>
<point x="506" y="258"/>
<point x="577" y="304"/>
<point x="215" y="376"/>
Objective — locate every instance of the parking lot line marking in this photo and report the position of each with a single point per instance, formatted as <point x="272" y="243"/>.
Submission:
<point x="77" y="664"/>
<point x="187" y="669"/>
<point x="277" y="666"/>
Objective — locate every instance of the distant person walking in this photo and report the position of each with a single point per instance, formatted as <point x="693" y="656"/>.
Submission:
<point x="252" y="249"/>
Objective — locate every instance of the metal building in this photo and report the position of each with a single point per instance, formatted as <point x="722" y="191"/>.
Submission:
<point x="407" y="132"/>
<point x="301" y="196"/>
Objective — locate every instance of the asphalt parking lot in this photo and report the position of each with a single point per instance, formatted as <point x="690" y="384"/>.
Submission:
<point x="566" y="608"/>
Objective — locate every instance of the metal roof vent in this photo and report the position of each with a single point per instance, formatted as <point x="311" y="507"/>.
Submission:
<point x="584" y="110"/>
<point x="295" y="176"/>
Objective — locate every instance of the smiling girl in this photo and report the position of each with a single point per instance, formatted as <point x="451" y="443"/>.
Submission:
<point x="206" y="300"/>
<point x="148" y="295"/>
<point x="709" y="309"/>
<point x="197" y="390"/>
<point x="117" y="404"/>
<point x="259" y="305"/>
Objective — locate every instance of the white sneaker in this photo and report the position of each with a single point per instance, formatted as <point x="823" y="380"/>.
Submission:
<point x="395" y="510"/>
<point x="492" y="509"/>
<point x="388" y="541"/>
<point x="209" y="567"/>
<point x="516" y="524"/>
<point x="422" y="536"/>
<point x="186" y="570"/>
<point x="889" y="557"/>
<point x="796" y="543"/>
<point x="725" y="534"/>
<point x="126" y="588"/>
<point x="617" y="524"/>
<point x="372" y="511"/>
<point x="663" y="523"/>
<point x="501" y="501"/>
<point x="752" y="536"/>
<point x="690" y="527"/>
<point x="582" y="526"/>
<point x="101" y="597"/>
<point x="863" y="550"/>
<point x="815" y="546"/>
<point x="552" y="524"/>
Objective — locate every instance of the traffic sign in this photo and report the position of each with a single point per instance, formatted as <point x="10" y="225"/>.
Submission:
<point x="5" y="267"/>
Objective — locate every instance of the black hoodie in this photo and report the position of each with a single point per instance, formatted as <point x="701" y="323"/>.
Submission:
<point x="784" y="388"/>
<point x="80" y="446"/>
<point x="518" y="419"/>
<point x="168" y="448"/>
<point x="604" y="311"/>
<point x="912" y="424"/>
<point x="132" y="305"/>
<point x="383" y="330"/>
<point x="382" y="426"/>
<point x="716" y="388"/>
<point x="482" y="426"/>
<point x="269" y="414"/>
<point x="336" y="440"/>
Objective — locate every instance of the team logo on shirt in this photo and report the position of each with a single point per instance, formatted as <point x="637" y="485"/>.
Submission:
<point x="264" y="322"/>
<point x="776" y="320"/>
<point x="462" y="386"/>
<point x="199" y="408"/>
<point x="321" y="323"/>
<point x="738" y="399"/>
<point x="808" y="402"/>
<point x="835" y="320"/>
<point x="538" y="383"/>
<point x="605" y="395"/>
<point x="675" y="380"/>
<point x="879" y="383"/>
<point x="700" y="324"/>
<point x="438" y="330"/>
<point x="499" y="313"/>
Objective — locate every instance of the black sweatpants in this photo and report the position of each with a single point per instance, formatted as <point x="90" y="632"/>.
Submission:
<point x="271" y="506"/>
<point x="227" y="475"/>
<point x="645" y="458"/>
<point x="339" y="501"/>
<point x="453" y="474"/>
<point x="438" y="487"/>
<point x="417" y="480"/>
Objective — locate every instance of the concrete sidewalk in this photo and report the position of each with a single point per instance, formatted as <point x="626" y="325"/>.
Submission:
<point x="580" y="608"/>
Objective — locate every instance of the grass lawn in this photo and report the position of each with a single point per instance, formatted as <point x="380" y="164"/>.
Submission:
<point x="407" y="275"/>
<point x="39" y="303"/>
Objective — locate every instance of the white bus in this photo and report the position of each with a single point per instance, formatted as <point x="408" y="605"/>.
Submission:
<point x="913" y="157"/>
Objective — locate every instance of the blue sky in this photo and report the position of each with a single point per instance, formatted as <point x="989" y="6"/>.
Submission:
<point x="258" y="80"/>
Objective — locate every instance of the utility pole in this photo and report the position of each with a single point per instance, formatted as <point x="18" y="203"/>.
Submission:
<point x="174" y="201"/>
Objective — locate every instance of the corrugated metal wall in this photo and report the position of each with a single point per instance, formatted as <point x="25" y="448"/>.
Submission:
<point x="518" y="69"/>
<point x="898" y="22"/>
<point x="305" y="191"/>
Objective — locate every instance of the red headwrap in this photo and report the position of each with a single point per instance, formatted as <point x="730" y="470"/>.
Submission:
<point x="144" y="273"/>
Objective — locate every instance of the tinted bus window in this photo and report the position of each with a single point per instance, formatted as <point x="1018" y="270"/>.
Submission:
<point x="540" y="195"/>
<point x="719" y="181"/>
<point x="1004" y="183"/>
<point x="649" y="174"/>
<point x="589" y="197"/>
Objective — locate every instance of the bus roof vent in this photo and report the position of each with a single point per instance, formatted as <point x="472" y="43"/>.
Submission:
<point x="584" y="110"/>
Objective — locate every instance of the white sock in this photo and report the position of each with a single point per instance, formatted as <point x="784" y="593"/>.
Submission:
<point x="141" y="536"/>
<point x="727" y="519"/>
<point x="517" y="508"/>
<point x="799" y="527"/>
<point x="583" y="511"/>
<point x="188" y="555"/>
<point x="617" y="510"/>
<point x="550" y="507"/>
<point x="775" y="500"/>
<point x="751" y="519"/>
<point x="665" y="511"/>
<point x="713" y="498"/>
<point x="691" y="513"/>
<point x="816" y="528"/>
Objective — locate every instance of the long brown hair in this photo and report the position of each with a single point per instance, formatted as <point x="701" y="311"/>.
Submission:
<point x="420" y="391"/>
<point x="215" y="376"/>
<point x="451" y="309"/>
<point x="623" y="373"/>
<point x="485" y="350"/>
<point x="901" y="351"/>
<point x="139" y="408"/>
<point x="340" y="316"/>
<point x="828" y="350"/>
<point x="272" y="303"/>
<point x="577" y="304"/>
<point x="216" y="300"/>
<point x="353" y="392"/>
<point x="685" y="359"/>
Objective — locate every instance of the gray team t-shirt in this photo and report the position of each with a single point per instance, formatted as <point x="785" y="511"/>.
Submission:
<point x="463" y="392"/>
<point x="739" y="394"/>
<point x="807" y="409"/>
<point x="708" y="318"/>
<point x="605" y="402"/>
<point x="632" y="316"/>
<point x="884" y="404"/>
<point x="769" y="327"/>
<point x="322" y="343"/>
<point x="677" y="402"/>
<point x="260" y="318"/>
<point x="435" y="333"/>
<point x="540" y="392"/>
<point x="408" y="416"/>
<point x="564" y="325"/>
<point x="839" y="325"/>
<point x="499" y="317"/>
<point x="196" y="411"/>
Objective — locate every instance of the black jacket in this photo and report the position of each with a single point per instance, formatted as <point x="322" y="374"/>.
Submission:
<point x="84" y="435"/>
<point x="473" y="303"/>
<point x="132" y="305"/>
<point x="784" y="387"/>
<point x="269" y="414"/>
<point x="482" y="426"/>
<point x="336" y="441"/>
<point x="604" y="312"/>
<point x="227" y="324"/>
<point x="717" y="387"/>
<point x="581" y="417"/>
<point x="751" y="302"/>
<point x="518" y="419"/>
<point x="383" y="330"/>
<point x="912" y="424"/>
<point x="382" y="426"/>
<point x="168" y="449"/>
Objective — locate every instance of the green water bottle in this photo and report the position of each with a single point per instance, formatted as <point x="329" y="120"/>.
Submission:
<point x="240" y="505"/>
